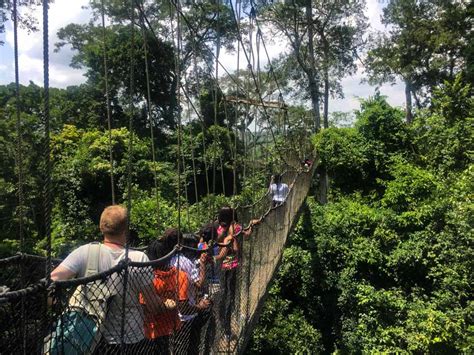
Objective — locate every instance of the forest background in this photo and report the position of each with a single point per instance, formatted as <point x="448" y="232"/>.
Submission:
<point x="382" y="257"/>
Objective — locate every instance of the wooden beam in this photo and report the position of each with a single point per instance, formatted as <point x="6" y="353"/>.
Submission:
<point x="269" y="104"/>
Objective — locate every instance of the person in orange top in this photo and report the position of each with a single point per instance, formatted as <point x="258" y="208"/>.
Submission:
<point x="172" y="286"/>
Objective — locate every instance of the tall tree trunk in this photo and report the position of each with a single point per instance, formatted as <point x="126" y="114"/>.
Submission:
<point x="408" y="106"/>
<point x="314" y="94"/>
<point x="326" y="78"/>
<point x="326" y="99"/>
<point x="323" y="175"/>
<point x="313" y="80"/>
<point x="323" y="186"/>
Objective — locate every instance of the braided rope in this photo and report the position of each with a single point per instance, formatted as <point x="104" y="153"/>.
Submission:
<point x="107" y="100"/>
<point x="129" y="170"/>
<point x="150" y="122"/>
<point x="47" y="149"/>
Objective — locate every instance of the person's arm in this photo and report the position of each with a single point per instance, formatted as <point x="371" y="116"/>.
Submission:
<point x="74" y="265"/>
<point x="248" y="231"/>
<point x="202" y="271"/>
<point x="223" y="250"/>
<point x="234" y="230"/>
<point x="152" y="302"/>
<point x="186" y="308"/>
<point x="183" y="294"/>
<point x="62" y="273"/>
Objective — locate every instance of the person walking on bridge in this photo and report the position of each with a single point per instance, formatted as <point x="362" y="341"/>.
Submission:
<point x="278" y="190"/>
<point x="114" y="227"/>
<point x="228" y="234"/>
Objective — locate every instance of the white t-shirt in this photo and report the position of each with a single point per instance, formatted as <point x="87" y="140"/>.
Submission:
<point x="279" y="192"/>
<point x="192" y="271"/>
<point x="138" y="279"/>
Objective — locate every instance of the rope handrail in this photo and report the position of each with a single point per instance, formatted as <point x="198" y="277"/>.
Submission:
<point x="86" y="279"/>
<point x="11" y="295"/>
<point x="261" y="198"/>
<point x="26" y="256"/>
<point x="259" y="256"/>
<point x="262" y="218"/>
<point x="236" y="282"/>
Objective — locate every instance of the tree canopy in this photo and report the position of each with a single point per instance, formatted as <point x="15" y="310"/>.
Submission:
<point x="380" y="260"/>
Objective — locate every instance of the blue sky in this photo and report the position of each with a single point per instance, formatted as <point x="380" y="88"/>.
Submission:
<point x="63" y="12"/>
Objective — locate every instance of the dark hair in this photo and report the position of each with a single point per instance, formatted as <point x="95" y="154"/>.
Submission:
<point x="171" y="236"/>
<point x="157" y="249"/>
<point x="227" y="215"/>
<point x="190" y="240"/>
<point x="277" y="178"/>
<point x="208" y="232"/>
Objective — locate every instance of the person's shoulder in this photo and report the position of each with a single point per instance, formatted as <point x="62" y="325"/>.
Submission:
<point x="83" y="249"/>
<point x="138" y="256"/>
<point x="237" y="229"/>
<point x="183" y="261"/>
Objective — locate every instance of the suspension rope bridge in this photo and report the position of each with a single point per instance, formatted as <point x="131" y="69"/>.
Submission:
<point x="74" y="316"/>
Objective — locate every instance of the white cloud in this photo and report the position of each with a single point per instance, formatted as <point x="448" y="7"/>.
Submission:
<point x="353" y="87"/>
<point x="30" y="47"/>
<point x="63" y="12"/>
<point x="373" y="12"/>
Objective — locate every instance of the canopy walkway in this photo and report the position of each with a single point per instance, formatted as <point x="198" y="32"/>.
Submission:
<point x="34" y="314"/>
<point x="119" y="310"/>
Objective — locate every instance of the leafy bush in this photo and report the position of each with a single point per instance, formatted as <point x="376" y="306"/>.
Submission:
<point x="390" y="271"/>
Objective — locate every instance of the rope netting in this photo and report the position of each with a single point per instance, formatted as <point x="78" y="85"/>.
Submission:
<point x="186" y="301"/>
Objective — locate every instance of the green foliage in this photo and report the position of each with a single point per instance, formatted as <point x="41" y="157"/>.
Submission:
<point x="151" y="216"/>
<point x="444" y="137"/>
<point x="385" y="272"/>
<point x="356" y="158"/>
<point x="428" y="42"/>
<point x="82" y="174"/>
<point x="382" y="126"/>
<point x="410" y="186"/>
<point x="88" y="43"/>
<point x="344" y="153"/>
<point x="284" y="328"/>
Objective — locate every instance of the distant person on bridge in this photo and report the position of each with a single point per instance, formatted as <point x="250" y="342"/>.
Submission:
<point x="306" y="164"/>
<point x="278" y="190"/>
<point x="114" y="227"/>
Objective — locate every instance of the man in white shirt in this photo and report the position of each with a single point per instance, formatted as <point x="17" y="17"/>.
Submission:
<point x="114" y="227"/>
<point x="278" y="190"/>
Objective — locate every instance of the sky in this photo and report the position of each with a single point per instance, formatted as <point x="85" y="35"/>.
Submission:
<point x="63" y="12"/>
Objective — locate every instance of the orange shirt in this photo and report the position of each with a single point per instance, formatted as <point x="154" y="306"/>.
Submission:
<point x="162" y="324"/>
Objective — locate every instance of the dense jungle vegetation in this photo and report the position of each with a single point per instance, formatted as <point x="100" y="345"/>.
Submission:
<point x="382" y="258"/>
<point x="386" y="265"/>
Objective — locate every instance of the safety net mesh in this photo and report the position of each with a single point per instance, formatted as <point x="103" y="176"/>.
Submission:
<point x="154" y="307"/>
